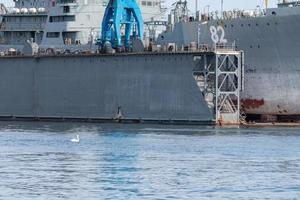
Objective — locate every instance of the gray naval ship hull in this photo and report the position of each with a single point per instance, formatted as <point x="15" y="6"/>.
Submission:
<point x="272" y="59"/>
<point x="130" y="87"/>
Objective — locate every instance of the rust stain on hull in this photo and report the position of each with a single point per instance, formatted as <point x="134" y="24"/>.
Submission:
<point x="252" y="103"/>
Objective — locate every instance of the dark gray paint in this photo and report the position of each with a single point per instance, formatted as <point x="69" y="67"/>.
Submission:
<point x="153" y="87"/>
<point x="272" y="63"/>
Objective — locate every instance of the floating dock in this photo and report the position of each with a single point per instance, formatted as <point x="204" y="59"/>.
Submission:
<point x="126" y="87"/>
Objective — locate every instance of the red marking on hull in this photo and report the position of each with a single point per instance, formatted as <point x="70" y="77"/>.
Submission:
<point x="252" y="103"/>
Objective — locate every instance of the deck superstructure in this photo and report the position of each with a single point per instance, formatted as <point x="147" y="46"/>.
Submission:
<point x="62" y="22"/>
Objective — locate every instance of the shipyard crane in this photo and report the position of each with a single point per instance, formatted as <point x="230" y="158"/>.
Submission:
<point x="120" y="13"/>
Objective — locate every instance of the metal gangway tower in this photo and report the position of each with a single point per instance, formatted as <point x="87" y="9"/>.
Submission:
<point x="221" y="81"/>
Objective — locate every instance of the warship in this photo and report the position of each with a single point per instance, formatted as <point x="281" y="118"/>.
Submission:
<point x="269" y="38"/>
<point x="49" y="68"/>
<point x="62" y="23"/>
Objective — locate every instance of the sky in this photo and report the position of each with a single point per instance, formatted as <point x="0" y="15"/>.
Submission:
<point x="214" y="4"/>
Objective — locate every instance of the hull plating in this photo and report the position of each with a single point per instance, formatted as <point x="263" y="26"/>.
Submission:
<point x="135" y="87"/>
<point x="272" y="62"/>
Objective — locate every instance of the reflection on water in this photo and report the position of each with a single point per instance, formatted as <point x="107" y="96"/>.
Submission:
<point x="38" y="161"/>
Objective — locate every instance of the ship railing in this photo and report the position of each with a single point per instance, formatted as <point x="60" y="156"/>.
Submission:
<point x="205" y="47"/>
<point x="225" y="47"/>
<point x="193" y="47"/>
<point x="24" y="26"/>
<point x="243" y="13"/>
<point x="232" y="14"/>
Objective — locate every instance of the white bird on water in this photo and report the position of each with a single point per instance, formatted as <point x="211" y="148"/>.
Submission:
<point x="76" y="140"/>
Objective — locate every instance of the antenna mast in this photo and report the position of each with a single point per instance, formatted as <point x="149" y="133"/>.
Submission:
<point x="222" y="3"/>
<point x="266" y="3"/>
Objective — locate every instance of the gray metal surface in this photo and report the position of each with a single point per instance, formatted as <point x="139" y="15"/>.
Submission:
<point x="272" y="63"/>
<point x="147" y="87"/>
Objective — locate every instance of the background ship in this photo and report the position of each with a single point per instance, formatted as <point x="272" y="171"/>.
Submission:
<point x="269" y="38"/>
<point x="62" y="23"/>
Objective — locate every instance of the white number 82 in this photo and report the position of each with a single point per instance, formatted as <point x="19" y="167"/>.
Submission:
<point x="215" y="34"/>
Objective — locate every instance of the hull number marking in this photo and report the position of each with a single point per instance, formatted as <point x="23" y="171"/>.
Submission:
<point x="217" y="34"/>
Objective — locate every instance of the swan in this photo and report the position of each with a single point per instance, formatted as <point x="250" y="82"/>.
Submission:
<point x="76" y="140"/>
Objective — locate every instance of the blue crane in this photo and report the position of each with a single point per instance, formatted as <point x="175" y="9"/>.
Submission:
<point x="117" y="14"/>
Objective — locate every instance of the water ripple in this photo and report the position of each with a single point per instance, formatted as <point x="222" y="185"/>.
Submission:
<point x="38" y="161"/>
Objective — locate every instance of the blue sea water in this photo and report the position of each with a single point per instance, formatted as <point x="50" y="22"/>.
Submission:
<point x="38" y="161"/>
